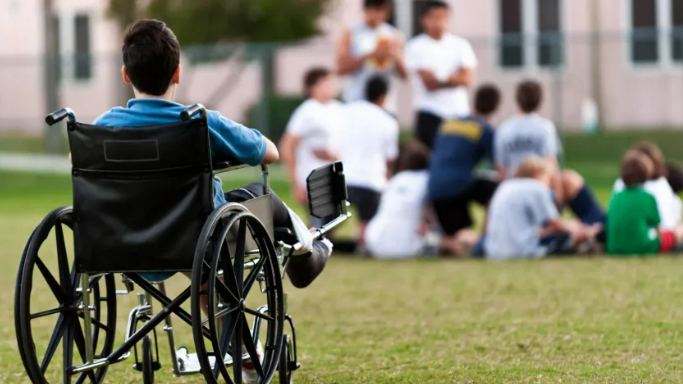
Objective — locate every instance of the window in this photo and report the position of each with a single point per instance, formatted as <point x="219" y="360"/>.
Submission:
<point x="677" y="24"/>
<point x="82" y="56"/>
<point x="656" y="32"/>
<point x="512" y="35"/>
<point x="644" y="40"/>
<point x="530" y="33"/>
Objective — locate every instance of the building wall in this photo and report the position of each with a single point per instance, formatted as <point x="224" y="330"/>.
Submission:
<point x="630" y="96"/>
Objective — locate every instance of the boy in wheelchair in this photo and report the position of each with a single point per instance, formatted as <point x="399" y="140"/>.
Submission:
<point x="151" y="57"/>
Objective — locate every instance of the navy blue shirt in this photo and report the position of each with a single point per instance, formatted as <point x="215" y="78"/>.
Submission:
<point x="458" y="148"/>
<point x="226" y="137"/>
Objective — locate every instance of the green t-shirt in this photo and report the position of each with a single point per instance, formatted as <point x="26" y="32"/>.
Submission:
<point x="632" y="223"/>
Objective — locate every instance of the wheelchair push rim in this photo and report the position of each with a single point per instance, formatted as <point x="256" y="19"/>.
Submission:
<point x="230" y="278"/>
<point x="45" y="272"/>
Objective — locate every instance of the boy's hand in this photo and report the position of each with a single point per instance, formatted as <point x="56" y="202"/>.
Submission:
<point x="301" y="195"/>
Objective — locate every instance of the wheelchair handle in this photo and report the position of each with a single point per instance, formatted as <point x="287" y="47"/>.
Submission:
<point x="57" y="116"/>
<point x="192" y="110"/>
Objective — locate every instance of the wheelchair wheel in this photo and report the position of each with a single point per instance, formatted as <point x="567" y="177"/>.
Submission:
<point x="223" y="278"/>
<point x="286" y="358"/>
<point x="47" y="299"/>
<point x="147" y="361"/>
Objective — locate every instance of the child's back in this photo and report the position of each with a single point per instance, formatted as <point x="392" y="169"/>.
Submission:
<point x="632" y="221"/>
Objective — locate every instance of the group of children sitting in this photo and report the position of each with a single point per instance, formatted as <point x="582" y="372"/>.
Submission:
<point x="424" y="208"/>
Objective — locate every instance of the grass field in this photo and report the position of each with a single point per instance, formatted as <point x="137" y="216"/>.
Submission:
<point x="430" y="321"/>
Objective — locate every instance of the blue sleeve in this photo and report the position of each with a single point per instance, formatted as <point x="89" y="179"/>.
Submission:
<point x="228" y="138"/>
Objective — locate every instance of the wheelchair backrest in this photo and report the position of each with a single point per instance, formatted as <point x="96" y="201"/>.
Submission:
<point x="140" y="194"/>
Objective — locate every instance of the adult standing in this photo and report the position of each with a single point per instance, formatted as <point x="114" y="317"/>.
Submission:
<point x="442" y="66"/>
<point x="370" y="48"/>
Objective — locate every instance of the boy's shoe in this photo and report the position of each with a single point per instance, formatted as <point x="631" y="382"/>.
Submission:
<point x="249" y="375"/>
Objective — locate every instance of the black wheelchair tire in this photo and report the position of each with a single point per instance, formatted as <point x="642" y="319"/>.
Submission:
<point x="206" y="260"/>
<point x="285" y="374"/>
<point x="68" y="322"/>
<point x="147" y="361"/>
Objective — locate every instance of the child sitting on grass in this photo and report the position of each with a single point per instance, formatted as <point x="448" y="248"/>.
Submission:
<point x="633" y="220"/>
<point x="523" y="220"/>
<point x="401" y="228"/>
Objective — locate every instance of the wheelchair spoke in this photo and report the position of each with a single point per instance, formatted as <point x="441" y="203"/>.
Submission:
<point x="48" y="313"/>
<point x="97" y="323"/>
<point x="57" y="335"/>
<point x="229" y="275"/>
<point x="237" y="350"/>
<point x="257" y="314"/>
<point x="250" y="347"/>
<point x="79" y="339"/>
<point x="239" y="255"/>
<point x="221" y="313"/>
<point x="51" y="282"/>
<point x="253" y="274"/>
<point x="68" y="348"/>
<point x="221" y="348"/>
<point x="62" y="262"/>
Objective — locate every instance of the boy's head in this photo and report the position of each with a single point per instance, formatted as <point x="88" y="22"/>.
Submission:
<point x="412" y="156"/>
<point x="487" y="100"/>
<point x="675" y="177"/>
<point x="376" y="90"/>
<point x="534" y="167"/>
<point x="434" y="17"/>
<point x="376" y="11"/>
<point x="529" y="96"/>
<point x="636" y="168"/>
<point x="151" y="58"/>
<point x="320" y="84"/>
<point x="655" y="154"/>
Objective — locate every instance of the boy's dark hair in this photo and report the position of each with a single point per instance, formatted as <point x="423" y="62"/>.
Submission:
<point x="675" y="177"/>
<point x="314" y="76"/>
<point x="655" y="154"/>
<point x="377" y="3"/>
<point x="529" y="96"/>
<point x="428" y="5"/>
<point x="376" y="87"/>
<point x="412" y="156"/>
<point x="635" y="168"/>
<point x="151" y="54"/>
<point x="487" y="99"/>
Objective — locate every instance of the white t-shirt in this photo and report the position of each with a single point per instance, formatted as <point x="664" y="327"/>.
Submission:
<point x="364" y="40"/>
<point x="394" y="231"/>
<point x="316" y="125"/>
<point x="668" y="203"/>
<point x="443" y="57"/>
<point x="368" y="141"/>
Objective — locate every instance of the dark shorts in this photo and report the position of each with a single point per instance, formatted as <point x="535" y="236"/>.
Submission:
<point x="427" y="127"/>
<point x="454" y="214"/>
<point x="366" y="201"/>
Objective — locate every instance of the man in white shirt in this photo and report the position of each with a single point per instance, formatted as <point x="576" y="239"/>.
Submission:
<point x="370" y="48"/>
<point x="442" y="66"/>
<point x="307" y="143"/>
<point x="367" y="148"/>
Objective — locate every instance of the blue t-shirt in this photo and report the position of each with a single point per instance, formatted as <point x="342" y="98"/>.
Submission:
<point x="458" y="148"/>
<point x="226" y="137"/>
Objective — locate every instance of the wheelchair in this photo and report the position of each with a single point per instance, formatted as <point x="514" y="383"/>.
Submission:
<point x="143" y="203"/>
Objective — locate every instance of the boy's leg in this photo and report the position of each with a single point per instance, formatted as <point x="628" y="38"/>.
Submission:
<point x="304" y="268"/>
<point x="581" y="199"/>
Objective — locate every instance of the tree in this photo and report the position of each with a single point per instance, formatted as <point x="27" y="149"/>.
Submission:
<point x="205" y="22"/>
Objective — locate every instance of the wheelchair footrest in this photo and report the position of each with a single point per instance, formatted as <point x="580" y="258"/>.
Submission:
<point x="188" y="363"/>
<point x="155" y="366"/>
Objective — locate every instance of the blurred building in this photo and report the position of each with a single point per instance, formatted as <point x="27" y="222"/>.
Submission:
<point x="626" y="55"/>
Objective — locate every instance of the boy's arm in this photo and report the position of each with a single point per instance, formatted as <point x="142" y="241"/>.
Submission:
<point x="346" y="64"/>
<point x="272" y="154"/>
<point x="247" y="145"/>
<point x="288" y="145"/>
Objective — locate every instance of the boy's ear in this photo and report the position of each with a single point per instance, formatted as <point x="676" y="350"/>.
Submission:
<point x="124" y="74"/>
<point x="176" y="75"/>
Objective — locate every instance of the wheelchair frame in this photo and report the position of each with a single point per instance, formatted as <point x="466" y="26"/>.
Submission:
<point x="143" y="314"/>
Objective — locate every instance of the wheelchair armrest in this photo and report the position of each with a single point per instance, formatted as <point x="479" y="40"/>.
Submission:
<point x="226" y="163"/>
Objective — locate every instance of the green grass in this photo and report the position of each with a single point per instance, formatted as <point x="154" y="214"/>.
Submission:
<point x="566" y="320"/>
